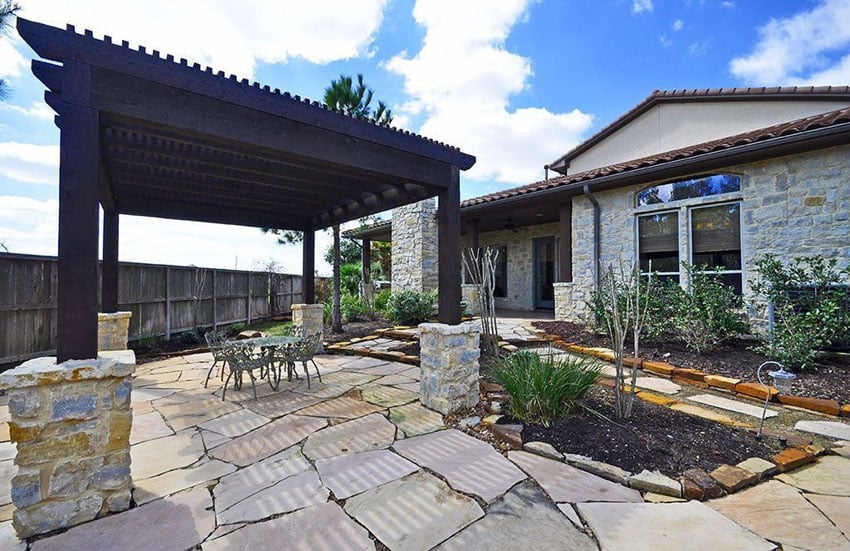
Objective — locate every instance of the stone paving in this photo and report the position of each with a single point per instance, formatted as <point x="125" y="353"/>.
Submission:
<point x="356" y="462"/>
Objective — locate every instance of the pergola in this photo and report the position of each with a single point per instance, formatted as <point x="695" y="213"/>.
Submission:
<point x="149" y="135"/>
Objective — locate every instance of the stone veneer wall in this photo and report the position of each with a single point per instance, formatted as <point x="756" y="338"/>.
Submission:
<point x="71" y="423"/>
<point x="520" y="244"/>
<point x="414" y="247"/>
<point x="449" y="366"/>
<point x="112" y="330"/>
<point x="309" y="317"/>
<point x="791" y="206"/>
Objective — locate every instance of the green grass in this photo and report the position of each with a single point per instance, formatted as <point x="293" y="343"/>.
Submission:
<point x="273" y="328"/>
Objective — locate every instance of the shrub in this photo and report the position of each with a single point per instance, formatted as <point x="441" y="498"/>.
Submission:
<point x="660" y="309"/>
<point x="810" y="302"/>
<point x="349" y="278"/>
<point x="350" y="306"/>
<point x="545" y="389"/>
<point x="382" y="300"/>
<point x="236" y="328"/>
<point x="411" y="307"/>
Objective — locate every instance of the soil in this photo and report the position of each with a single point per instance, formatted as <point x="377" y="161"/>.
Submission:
<point x="829" y="378"/>
<point x="654" y="438"/>
<point x="353" y="329"/>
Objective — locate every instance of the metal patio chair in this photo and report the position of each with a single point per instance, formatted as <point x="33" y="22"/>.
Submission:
<point x="303" y="352"/>
<point x="215" y="342"/>
<point x="240" y="359"/>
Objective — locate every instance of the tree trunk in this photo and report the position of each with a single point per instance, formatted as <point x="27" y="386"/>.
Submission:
<point x="336" y="324"/>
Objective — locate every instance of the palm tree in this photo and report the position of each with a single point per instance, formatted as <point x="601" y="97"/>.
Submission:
<point x="342" y="95"/>
<point x="7" y="10"/>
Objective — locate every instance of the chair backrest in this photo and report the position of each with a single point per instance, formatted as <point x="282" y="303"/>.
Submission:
<point x="305" y="348"/>
<point x="216" y="341"/>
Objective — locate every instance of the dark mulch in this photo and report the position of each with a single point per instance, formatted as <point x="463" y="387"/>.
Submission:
<point x="829" y="378"/>
<point x="655" y="437"/>
<point x="354" y="329"/>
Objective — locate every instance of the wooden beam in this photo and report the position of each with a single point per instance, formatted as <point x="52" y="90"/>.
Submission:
<point x="565" y="242"/>
<point x="308" y="268"/>
<point x="448" y="228"/>
<point x="472" y="233"/>
<point x="366" y="257"/>
<point x="183" y="210"/>
<point x="109" y="273"/>
<point x="49" y="74"/>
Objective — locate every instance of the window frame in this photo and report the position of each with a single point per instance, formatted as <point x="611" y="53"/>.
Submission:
<point x="499" y="260"/>
<point x="678" y="273"/>
<point x="740" y="204"/>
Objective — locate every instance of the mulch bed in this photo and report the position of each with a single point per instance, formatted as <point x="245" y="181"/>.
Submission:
<point x="654" y="438"/>
<point x="829" y="378"/>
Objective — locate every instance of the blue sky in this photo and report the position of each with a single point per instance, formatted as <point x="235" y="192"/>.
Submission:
<point x="514" y="82"/>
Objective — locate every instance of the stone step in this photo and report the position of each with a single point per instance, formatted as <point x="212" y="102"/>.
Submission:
<point x="732" y="405"/>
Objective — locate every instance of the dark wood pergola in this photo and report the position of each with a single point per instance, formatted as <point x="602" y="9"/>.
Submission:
<point x="149" y="135"/>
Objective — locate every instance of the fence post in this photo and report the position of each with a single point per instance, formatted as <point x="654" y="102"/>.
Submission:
<point x="168" y="304"/>
<point x="248" y="299"/>
<point x="214" y="294"/>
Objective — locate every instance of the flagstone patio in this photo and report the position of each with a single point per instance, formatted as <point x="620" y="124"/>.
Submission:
<point x="356" y="460"/>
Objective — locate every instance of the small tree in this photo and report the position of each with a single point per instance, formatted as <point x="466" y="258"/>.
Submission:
<point x="481" y="266"/>
<point x="8" y="8"/>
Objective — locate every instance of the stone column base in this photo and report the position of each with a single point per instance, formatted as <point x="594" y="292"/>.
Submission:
<point x="112" y="330"/>
<point x="309" y="317"/>
<point x="449" y="366"/>
<point x="71" y="423"/>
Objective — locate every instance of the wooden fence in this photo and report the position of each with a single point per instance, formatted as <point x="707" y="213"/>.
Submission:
<point x="164" y="300"/>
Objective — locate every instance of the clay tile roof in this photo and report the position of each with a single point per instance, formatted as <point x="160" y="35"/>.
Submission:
<point x="831" y="118"/>
<point x="774" y="93"/>
<point x="370" y="229"/>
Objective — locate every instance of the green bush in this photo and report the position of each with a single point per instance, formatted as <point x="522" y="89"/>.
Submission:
<point x="545" y="389"/>
<point x="349" y="278"/>
<point x="382" y="300"/>
<point x="350" y="306"/>
<point x="810" y="301"/>
<point x="411" y="307"/>
<point x="659" y="314"/>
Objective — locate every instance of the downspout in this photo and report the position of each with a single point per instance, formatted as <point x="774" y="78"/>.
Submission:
<point x="596" y="233"/>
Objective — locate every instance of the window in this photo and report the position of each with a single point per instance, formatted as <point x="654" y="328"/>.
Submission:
<point x="702" y="186"/>
<point x="658" y="244"/>
<point x="501" y="287"/>
<point x="716" y="241"/>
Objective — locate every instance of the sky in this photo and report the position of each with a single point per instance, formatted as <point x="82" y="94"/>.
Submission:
<point x="516" y="83"/>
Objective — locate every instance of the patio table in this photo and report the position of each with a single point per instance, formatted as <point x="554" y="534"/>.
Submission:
<point x="268" y="345"/>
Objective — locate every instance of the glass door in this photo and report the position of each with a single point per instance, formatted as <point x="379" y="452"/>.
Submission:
<point x="544" y="273"/>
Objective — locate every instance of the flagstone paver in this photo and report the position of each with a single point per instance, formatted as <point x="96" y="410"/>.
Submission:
<point x="565" y="483"/>
<point x="569" y="511"/>
<point x="176" y="523"/>
<point x="363" y="363"/>
<point x="174" y="481"/>
<point x="350" y="378"/>
<point x="236" y="423"/>
<point x="352" y="474"/>
<point x="711" y="415"/>
<point x="267" y="440"/>
<point x="662" y="526"/>
<point x="343" y="407"/>
<point x="778" y="512"/>
<point x="192" y="413"/>
<point x="278" y="405"/>
<point x="155" y="457"/>
<point x="147" y="427"/>
<point x="388" y="396"/>
<point x="212" y="439"/>
<point x="248" y="481"/>
<point x="415" y="419"/>
<point x="322" y="527"/>
<point x="413" y="513"/>
<point x="290" y="494"/>
<point x="523" y="519"/>
<point x="9" y="539"/>
<point x="733" y="405"/>
<point x="832" y="429"/>
<point x="835" y="508"/>
<point x="7" y="451"/>
<point x="396" y="380"/>
<point x="7" y="471"/>
<point x="392" y="368"/>
<point x="323" y="390"/>
<point x="410" y="387"/>
<point x="830" y="475"/>
<point x="469" y="465"/>
<point x="149" y="393"/>
<point x="359" y="435"/>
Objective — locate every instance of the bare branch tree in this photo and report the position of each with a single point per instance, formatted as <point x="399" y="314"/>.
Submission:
<point x="481" y="266"/>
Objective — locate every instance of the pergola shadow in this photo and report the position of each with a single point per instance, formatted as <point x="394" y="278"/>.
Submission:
<point x="147" y="135"/>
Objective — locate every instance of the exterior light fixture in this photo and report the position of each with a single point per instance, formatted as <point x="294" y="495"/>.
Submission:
<point x="781" y="380"/>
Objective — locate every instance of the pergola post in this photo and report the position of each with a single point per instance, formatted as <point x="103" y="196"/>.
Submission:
<point x="309" y="267"/>
<point x="109" y="274"/>
<point x="366" y="257"/>
<point x="565" y="242"/>
<point x="448" y="223"/>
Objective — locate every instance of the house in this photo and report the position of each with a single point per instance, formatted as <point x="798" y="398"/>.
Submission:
<point x="716" y="177"/>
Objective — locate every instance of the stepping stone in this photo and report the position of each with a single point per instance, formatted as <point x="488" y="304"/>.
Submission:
<point x="147" y="427"/>
<point x="352" y="474"/>
<point x="416" y="419"/>
<point x="523" y="519"/>
<point x="664" y="386"/>
<point x="565" y="483"/>
<point x="189" y="414"/>
<point x="281" y="403"/>
<point x="413" y="513"/>
<point x="322" y="527"/>
<point x="165" y="454"/>
<point x="468" y="464"/>
<point x="732" y="405"/>
<point x="290" y="494"/>
<point x="709" y="414"/>
<point x="657" y="526"/>
<point x="836" y="509"/>
<point x="175" y="523"/>
<point x="341" y="408"/>
<point x="267" y="440"/>
<point x="832" y="429"/>
<point x="372" y="432"/>
<point x="236" y="423"/>
<point x="9" y="539"/>
<point x="778" y="512"/>
<point x="655" y="482"/>
<point x="244" y="483"/>
<point x="830" y="475"/>
<point x="175" y="481"/>
<point x="388" y="396"/>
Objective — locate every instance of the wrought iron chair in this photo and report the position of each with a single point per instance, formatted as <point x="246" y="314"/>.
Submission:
<point x="303" y="352"/>
<point x="215" y="342"/>
<point x="241" y="359"/>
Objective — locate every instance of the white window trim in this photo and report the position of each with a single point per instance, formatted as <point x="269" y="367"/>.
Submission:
<point x="678" y="212"/>
<point x="740" y="203"/>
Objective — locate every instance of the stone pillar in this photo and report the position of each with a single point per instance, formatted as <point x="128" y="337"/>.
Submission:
<point x="112" y="330"/>
<point x="309" y="316"/>
<point x="414" y="248"/>
<point x="570" y="301"/>
<point x="71" y="423"/>
<point x="469" y="294"/>
<point x="449" y="366"/>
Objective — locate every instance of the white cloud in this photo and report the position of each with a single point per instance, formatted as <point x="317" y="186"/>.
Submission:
<point x="699" y="48"/>
<point x="677" y="25"/>
<point x="228" y="37"/>
<point x="727" y="4"/>
<point x="11" y="61"/>
<point x="28" y="225"/>
<point x="462" y="79"/>
<point x="642" y="6"/>
<point x="795" y="50"/>
<point x="38" y="110"/>
<point x="29" y="163"/>
<point x="665" y="40"/>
